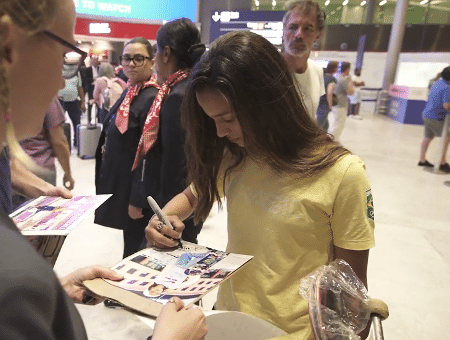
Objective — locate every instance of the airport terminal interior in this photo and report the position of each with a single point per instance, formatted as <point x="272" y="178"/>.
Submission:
<point x="408" y="267"/>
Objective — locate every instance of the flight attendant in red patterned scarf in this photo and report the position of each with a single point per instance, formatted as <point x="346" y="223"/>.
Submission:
<point x="118" y="143"/>
<point x="158" y="165"/>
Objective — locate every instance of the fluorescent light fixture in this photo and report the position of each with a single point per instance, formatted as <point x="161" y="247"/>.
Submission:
<point x="274" y="3"/>
<point x="383" y="2"/>
<point x="423" y="2"/>
<point x="363" y="3"/>
<point x="327" y="2"/>
<point x="345" y="3"/>
<point x="257" y="3"/>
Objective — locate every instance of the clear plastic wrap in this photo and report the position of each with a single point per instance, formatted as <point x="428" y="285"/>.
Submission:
<point x="338" y="302"/>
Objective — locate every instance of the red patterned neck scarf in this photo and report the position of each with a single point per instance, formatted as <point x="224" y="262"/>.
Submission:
<point x="151" y="127"/>
<point x="123" y="112"/>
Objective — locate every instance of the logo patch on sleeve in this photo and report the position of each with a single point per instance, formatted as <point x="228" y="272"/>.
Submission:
<point x="369" y="201"/>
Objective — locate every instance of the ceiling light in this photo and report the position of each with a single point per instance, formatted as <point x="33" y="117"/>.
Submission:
<point x="327" y="2"/>
<point x="274" y="3"/>
<point x="345" y="3"/>
<point x="383" y="2"/>
<point x="423" y="2"/>
<point x="363" y="2"/>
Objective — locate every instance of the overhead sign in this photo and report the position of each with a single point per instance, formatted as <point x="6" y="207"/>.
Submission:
<point x="158" y="10"/>
<point x="115" y="29"/>
<point x="99" y="28"/>
<point x="265" y="23"/>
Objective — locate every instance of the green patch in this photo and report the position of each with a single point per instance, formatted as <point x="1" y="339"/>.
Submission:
<point x="369" y="201"/>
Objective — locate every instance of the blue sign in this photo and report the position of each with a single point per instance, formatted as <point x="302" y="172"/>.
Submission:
<point x="157" y="10"/>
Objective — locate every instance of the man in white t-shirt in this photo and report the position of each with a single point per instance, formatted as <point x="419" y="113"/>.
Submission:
<point x="355" y="99"/>
<point x="303" y="24"/>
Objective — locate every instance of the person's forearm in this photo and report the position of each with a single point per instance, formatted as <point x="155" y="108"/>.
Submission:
<point x="81" y="94"/>
<point x="25" y="182"/>
<point x="330" y="99"/>
<point x="63" y="155"/>
<point x="61" y="148"/>
<point x="182" y="205"/>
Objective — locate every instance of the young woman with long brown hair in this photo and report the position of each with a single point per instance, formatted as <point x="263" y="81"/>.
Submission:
<point x="296" y="199"/>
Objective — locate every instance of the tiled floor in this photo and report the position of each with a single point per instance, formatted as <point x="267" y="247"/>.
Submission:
<point x="408" y="268"/>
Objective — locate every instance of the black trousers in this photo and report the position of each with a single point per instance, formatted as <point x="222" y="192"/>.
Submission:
<point x="74" y="111"/>
<point x="134" y="233"/>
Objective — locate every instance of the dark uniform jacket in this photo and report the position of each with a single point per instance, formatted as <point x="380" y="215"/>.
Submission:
<point x="114" y="163"/>
<point x="162" y="172"/>
<point x="33" y="305"/>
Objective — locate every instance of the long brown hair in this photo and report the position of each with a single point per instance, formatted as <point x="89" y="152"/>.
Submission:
<point x="276" y="128"/>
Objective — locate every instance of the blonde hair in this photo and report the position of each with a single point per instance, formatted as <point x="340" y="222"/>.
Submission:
<point x="31" y="16"/>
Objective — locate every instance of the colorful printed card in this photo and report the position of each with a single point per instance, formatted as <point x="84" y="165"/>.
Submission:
<point x="153" y="276"/>
<point x="52" y="215"/>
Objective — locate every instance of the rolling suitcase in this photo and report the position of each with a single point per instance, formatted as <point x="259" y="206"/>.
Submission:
<point x="88" y="136"/>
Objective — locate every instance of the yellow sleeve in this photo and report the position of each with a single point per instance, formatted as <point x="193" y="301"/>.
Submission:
<point x="352" y="220"/>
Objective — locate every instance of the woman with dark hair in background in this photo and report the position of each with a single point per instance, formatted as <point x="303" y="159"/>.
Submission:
<point x="122" y="129"/>
<point x="160" y="161"/>
<point x="296" y="199"/>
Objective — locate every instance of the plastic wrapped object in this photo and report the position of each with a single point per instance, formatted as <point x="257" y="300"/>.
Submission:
<point x="339" y="306"/>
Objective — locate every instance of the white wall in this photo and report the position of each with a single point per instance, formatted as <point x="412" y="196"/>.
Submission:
<point x="374" y="65"/>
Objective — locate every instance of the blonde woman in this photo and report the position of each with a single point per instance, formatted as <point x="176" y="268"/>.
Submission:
<point x="34" y="304"/>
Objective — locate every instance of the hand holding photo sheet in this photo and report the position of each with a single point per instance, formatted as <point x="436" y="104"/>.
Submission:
<point x="54" y="215"/>
<point x="152" y="276"/>
<point x="47" y="220"/>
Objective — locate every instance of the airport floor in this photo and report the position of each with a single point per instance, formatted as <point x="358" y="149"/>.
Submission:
<point x="408" y="268"/>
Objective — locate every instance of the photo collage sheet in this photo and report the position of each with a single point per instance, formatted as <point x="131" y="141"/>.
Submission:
<point x="188" y="272"/>
<point x="52" y="215"/>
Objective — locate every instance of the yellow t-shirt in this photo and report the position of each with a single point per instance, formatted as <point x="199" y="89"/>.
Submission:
<point x="290" y="226"/>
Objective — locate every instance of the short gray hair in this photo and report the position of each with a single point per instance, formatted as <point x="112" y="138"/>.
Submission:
<point x="106" y="70"/>
<point x="305" y="6"/>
